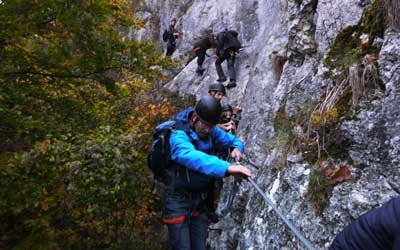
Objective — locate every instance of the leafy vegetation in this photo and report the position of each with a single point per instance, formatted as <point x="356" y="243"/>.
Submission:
<point x="351" y="57"/>
<point x="319" y="191"/>
<point x="348" y="48"/>
<point x="289" y="136"/>
<point x="77" y="110"/>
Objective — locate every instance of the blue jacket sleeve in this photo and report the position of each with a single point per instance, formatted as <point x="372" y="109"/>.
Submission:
<point x="226" y="139"/>
<point x="184" y="153"/>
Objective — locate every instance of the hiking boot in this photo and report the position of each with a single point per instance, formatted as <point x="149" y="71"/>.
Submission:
<point x="231" y="84"/>
<point x="200" y="71"/>
<point x="221" y="79"/>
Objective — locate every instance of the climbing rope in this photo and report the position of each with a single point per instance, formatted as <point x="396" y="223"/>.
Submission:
<point x="287" y="222"/>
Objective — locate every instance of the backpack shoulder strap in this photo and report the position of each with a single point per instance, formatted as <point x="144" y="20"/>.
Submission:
<point x="178" y="127"/>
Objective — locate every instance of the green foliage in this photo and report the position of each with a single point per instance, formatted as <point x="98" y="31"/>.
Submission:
<point x="56" y="56"/>
<point x="284" y="125"/>
<point x="78" y="194"/>
<point x="373" y="21"/>
<point x="281" y="122"/>
<point x="69" y="39"/>
<point x="319" y="191"/>
<point x="331" y="142"/>
<point x="328" y="117"/>
<point x="347" y="48"/>
<point x="77" y="112"/>
<point x="285" y="138"/>
<point x="343" y="105"/>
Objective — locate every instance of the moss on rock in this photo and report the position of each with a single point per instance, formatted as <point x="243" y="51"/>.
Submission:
<point x="319" y="191"/>
<point x="281" y="121"/>
<point x="348" y="48"/>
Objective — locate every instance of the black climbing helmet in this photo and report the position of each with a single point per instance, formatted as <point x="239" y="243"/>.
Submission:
<point x="218" y="87"/>
<point x="226" y="107"/>
<point x="208" y="109"/>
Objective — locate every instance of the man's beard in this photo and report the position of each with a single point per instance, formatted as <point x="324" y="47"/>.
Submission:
<point x="202" y="135"/>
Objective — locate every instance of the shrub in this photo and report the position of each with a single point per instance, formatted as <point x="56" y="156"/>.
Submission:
<point x="80" y="194"/>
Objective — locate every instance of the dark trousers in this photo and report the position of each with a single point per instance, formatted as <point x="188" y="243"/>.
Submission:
<point x="171" y="47"/>
<point x="231" y="66"/>
<point x="201" y="56"/>
<point x="186" y="219"/>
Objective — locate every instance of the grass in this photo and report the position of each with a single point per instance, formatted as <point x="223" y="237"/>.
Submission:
<point x="319" y="191"/>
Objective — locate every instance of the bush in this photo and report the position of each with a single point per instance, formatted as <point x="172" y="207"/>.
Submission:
<point x="77" y="112"/>
<point x="79" y="194"/>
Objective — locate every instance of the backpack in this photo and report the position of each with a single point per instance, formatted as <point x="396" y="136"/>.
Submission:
<point x="165" y="35"/>
<point x="230" y="39"/>
<point x="159" y="161"/>
<point x="159" y="157"/>
<point x="204" y="34"/>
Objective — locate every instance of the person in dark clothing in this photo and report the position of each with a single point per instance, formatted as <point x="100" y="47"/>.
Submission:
<point x="222" y="153"/>
<point x="185" y="195"/>
<point x="225" y="121"/>
<point x="228" y="46"/>
<point x="217" y="90"/>
<point x="376" y="229"/>
<point x="171" y="35"/>
<point x="207" y="41"/>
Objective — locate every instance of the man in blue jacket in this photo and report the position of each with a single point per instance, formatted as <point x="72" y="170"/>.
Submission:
<point x="193" y="171"/>
<point x="377" y="229"/>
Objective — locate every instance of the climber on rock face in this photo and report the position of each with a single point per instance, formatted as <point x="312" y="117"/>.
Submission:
<point x="170" y="35"/>
<point x="228" y="46"/>
<point x="376" y="229"/>
<point x="229" y="115"/>
<point x="226" y="121"/>
<point x="193" y="170"/>
<point x="217" y="90"/>
<point x="205" y="42"/>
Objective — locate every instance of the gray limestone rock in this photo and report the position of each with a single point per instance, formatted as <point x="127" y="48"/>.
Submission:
<point x="303" y="30"/>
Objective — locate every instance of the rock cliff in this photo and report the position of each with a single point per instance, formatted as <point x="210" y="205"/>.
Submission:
<point x="325" y="132"/>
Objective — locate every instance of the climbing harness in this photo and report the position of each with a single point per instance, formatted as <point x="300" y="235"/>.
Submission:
<point x="280" y="214"/>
